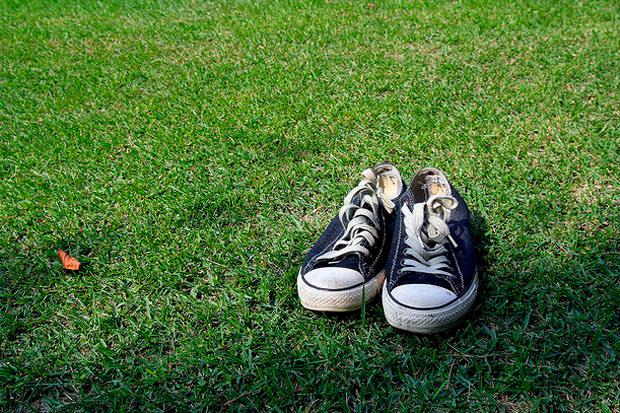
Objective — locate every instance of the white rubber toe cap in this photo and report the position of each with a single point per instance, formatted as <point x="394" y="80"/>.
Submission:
<point x="422" y="295"/>
<point x="333" y="278"/>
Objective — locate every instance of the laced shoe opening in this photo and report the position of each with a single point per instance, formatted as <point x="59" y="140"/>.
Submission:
<point x="426" y="224"/>
<point x="430" y="182"/>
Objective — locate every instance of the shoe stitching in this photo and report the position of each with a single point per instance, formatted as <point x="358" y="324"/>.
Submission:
<point x="396" y="254"/>
<point x="458" y="269"/>
<point x="383" y="242"/>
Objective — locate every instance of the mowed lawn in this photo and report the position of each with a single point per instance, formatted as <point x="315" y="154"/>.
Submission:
<point x="191" y="152"/>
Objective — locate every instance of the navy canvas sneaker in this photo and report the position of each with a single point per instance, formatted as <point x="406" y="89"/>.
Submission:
<point x="347" y="264"/>
<point x="431" y="278"/>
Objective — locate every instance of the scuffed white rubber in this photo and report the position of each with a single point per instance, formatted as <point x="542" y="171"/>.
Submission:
<point x="338" y="300"/>
<point x="428" y="321"/>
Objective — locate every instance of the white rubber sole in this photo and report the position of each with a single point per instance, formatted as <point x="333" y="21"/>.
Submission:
<point x="338" y="301"/>
<point x="428" y="321"/>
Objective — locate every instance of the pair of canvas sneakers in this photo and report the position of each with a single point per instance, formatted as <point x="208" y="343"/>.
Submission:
<point x="411" y="244"/>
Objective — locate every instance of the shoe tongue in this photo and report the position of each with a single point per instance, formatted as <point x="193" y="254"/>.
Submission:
<point x="434" y="186"/>
<point x="389" y="181"/>
<point x="425" y="243"/>
<point x="437" y="223"/>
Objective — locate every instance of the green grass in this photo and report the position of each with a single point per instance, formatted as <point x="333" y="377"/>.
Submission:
<point x="191" y="152"/>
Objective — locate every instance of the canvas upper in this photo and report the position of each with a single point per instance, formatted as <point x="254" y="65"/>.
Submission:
<point x="431" y="261"/>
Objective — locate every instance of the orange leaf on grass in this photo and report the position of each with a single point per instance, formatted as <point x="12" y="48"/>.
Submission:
<point x="68" y="262"/>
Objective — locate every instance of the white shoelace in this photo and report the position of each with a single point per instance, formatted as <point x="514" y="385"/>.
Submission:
<point x="363" y="224"/>
<point x="420" y="257"/>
